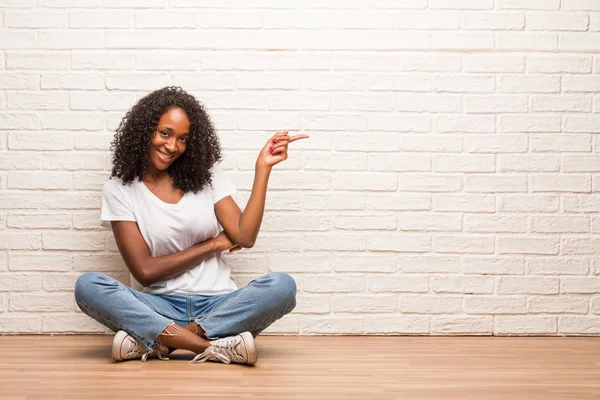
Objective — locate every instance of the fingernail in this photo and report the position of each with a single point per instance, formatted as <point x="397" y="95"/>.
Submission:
<point x="274" y="140"/>
<point x="271" y="148"/>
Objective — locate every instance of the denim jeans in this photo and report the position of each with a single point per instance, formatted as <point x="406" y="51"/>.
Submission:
<point x="144" y="316"/>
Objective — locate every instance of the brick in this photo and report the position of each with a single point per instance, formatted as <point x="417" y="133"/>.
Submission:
<point x="371" y="181"/>
<point x="560" y="143"/>
<point x="361" y="263"/>
<point x="39" y="261"/>
<point x="495" y="104"/>
<point x="495" y="305"/>
<point x="528" y="4"/>
<point x="330" y="283"/>
<point x="529" y="83"/>
<point x="136" y="81"/>
<point x="493" y="63"/>
<point x="467" y="202"/>
<point x="14" y="282"/>
<point x="98" y="262"/>
<point x="524" y="325"/>
<point x="66" y="40"/>
<point x="398" y="202"/>
<point x="528" y="163"/>
<point x="403" y="242"/>
<point x="578" y="325"/>
<point x="100" y="19"/>
<point x="488" y="183"/>
<point x="581" y="123"/>
<point x="462" y="4"/>
<point x="331" y="324"/>
<point x="73" y="161"/>
<point x="15" y="121"/>
<point x="492" y="21"/>
<point x="334" y="242"/>
<point x="428" y="304"/>
<point x="71" y="322"/>
<point x="465" y="123"/>
<point x="39" y="221"/>
<point x="19" y="81"/>
<point x="556" y="224"/>
<point x="389" y="122"/>
<point x="429" y="264"/>
<point x="527" y="285"/>
<point x="18" y="39"/>
<point x="29" y="19"/>
<point x="558" y="266"/>
<point x="560" y="183"/>
<point x="557" y="305"/>
<point x="584" y="285"/>
<point x="39" y="180"/>
<point x="495" y="143"/>
<point x="19" y="161"/>
<point x="582" y="42"/>
<point x="561" y="103"/>
<point x="363" y="303"/>
<point x="464" y="163"/>
<point x="134" y="3"/>
<point x="463" y="244"/>
<point x="101" y="101"/>
<point x="406" y="83"/>
<point x="397" y="324"/>
<point x="397" y="284"/>
<point x="73" y="240"/>
<point x="94" y="60"/>
<point x="559" y="63"/>
<point x="25" y="60"/>
<point x="20" y="323"/>
<point x="429" y="182"/>
<point x="41" y="302"/>
<point x="429" y="222"/>
<point x="332" y="161"/>
<point x="69" y="3"/>
<point x="463" y="83"/>
<point x="449" y="40"/>
<point x="333" y="202"/>
<point x="392" y="63"/>
<point x="493" y="265"/>
<point x="495" y="223"/>
<point x="37" y="101"/>
<point x="351" y="222"/>
<point x="579" y="246"/>
<point x="74" y="121"/>
<point x="71" y="200"/>
<point x="560" y="21"/>
<point x="428" y="103"/>
<point x="462" y="325"/>
<point x="529" y="123"/>
<point x="527" y="245"/>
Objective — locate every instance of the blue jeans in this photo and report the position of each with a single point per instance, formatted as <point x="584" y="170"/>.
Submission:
<point x="144" y="316"/>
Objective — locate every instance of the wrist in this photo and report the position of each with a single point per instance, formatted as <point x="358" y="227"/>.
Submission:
<point x="263" y="169"/>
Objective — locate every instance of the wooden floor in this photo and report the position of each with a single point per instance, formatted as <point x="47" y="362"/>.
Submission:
<point x="351" y="367"/>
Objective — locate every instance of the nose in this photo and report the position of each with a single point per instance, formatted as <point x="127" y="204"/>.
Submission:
<point x="171" y="144"/>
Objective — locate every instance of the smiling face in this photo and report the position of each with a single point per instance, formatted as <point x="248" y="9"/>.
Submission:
<point x="170" y="139"/>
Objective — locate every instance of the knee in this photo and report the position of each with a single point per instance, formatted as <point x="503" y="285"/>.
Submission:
<point x="87" y="284"/>
<point x="285" y="288"/>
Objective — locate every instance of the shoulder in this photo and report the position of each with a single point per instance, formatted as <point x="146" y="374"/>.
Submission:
<point x="115" y="186"/>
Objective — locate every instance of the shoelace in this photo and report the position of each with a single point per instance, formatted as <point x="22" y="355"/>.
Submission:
<point x="221" y="350"/>
<point x="154" y="352"/>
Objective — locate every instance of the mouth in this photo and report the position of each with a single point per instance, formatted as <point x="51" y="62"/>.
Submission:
<point x="164" y="156"/>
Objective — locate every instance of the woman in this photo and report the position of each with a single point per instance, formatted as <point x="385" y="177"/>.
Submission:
<point x="166" y="202"/>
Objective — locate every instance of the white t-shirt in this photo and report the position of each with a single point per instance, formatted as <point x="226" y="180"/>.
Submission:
<point x="169" y="228"/>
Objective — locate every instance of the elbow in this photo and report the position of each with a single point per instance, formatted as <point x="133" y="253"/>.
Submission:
<point x="246" y="243"/>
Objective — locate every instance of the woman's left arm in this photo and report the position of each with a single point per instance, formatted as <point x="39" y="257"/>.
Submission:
<point x="242" y="227"/>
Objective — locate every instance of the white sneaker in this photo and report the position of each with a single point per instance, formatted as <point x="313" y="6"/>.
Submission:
<point x="238" y="349"/>
<point x="126" y="347"/>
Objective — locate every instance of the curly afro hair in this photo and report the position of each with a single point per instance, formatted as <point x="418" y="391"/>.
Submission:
<point x="131" y="145"/>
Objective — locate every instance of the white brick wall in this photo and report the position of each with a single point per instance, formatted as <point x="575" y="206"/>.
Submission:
<point x="450" y="185"/>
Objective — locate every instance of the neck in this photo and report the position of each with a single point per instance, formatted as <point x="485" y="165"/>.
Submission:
<point x="155" y="175"/>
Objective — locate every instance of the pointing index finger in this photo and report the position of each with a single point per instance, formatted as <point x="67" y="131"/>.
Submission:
<point x="298" y="137"/>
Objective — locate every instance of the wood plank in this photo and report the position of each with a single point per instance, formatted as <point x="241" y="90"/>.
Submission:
<point x="334" y="367"/>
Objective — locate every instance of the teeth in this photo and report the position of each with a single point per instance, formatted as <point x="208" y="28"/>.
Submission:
<point x="165" y="155"/>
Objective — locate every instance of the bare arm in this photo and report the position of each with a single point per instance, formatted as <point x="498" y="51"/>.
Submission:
<point x="147" y="269"/>
<point x="243" y="227"/>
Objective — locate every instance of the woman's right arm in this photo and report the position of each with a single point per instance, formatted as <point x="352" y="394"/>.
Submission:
<point x="147" y="269"/>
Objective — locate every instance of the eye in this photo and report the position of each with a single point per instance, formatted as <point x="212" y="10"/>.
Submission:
<point x="184" y="140"/>
<point x="164" y="134"/>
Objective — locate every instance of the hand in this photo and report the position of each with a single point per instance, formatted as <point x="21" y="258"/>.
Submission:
<point x="222" y="243"/>
<point x="276" y="149"/>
